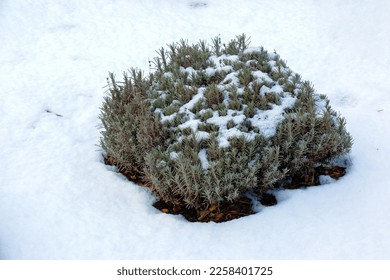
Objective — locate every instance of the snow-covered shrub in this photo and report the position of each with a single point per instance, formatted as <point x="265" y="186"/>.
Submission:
<point x="214" y="121"/>
<point x="130" y="130"/>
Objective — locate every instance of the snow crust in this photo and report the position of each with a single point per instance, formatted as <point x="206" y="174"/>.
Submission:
<point x="59" y="201"/>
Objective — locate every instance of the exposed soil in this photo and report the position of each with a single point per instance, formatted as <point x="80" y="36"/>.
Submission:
<point x="223" y="212"/>
<point x="243" y="207"/>
<point x="313" y="178"/>
<point x="268" y="199"/>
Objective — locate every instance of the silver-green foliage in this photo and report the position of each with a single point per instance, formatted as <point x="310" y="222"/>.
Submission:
<point x="214" y="121"/>
<point x="129" y="128"/>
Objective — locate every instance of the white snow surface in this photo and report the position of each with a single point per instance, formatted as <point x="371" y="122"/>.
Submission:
<point x="59" y="201"/>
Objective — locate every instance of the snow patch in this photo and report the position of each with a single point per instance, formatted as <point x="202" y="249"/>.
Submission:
<point x="261" y="76"/>
<point x="195" y="99"/>
<point x="325" y="179"/>
<point x="267" y="120"/>
<point x="203" y="159"/>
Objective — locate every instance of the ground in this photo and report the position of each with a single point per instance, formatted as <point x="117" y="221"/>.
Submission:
<point x="58" y="200"/>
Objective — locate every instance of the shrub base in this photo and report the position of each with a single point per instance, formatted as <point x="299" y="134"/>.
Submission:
<point x="240" y="208"/>
<point x="222" y="213"/>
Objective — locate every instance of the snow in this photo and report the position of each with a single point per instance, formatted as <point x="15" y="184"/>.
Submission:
<point x="268" y="120"/>
<point x="203" y="159"/>
<point x="219" y="60"/>
<point x="325" y="179"/>
<point x="59" y="201"/>
<point x="188" y="70"/>
<point x="192" y="123"/>
<point x="261" y="76"/>
<point x="195" y="99"/>
<point x="231" y="79"/>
